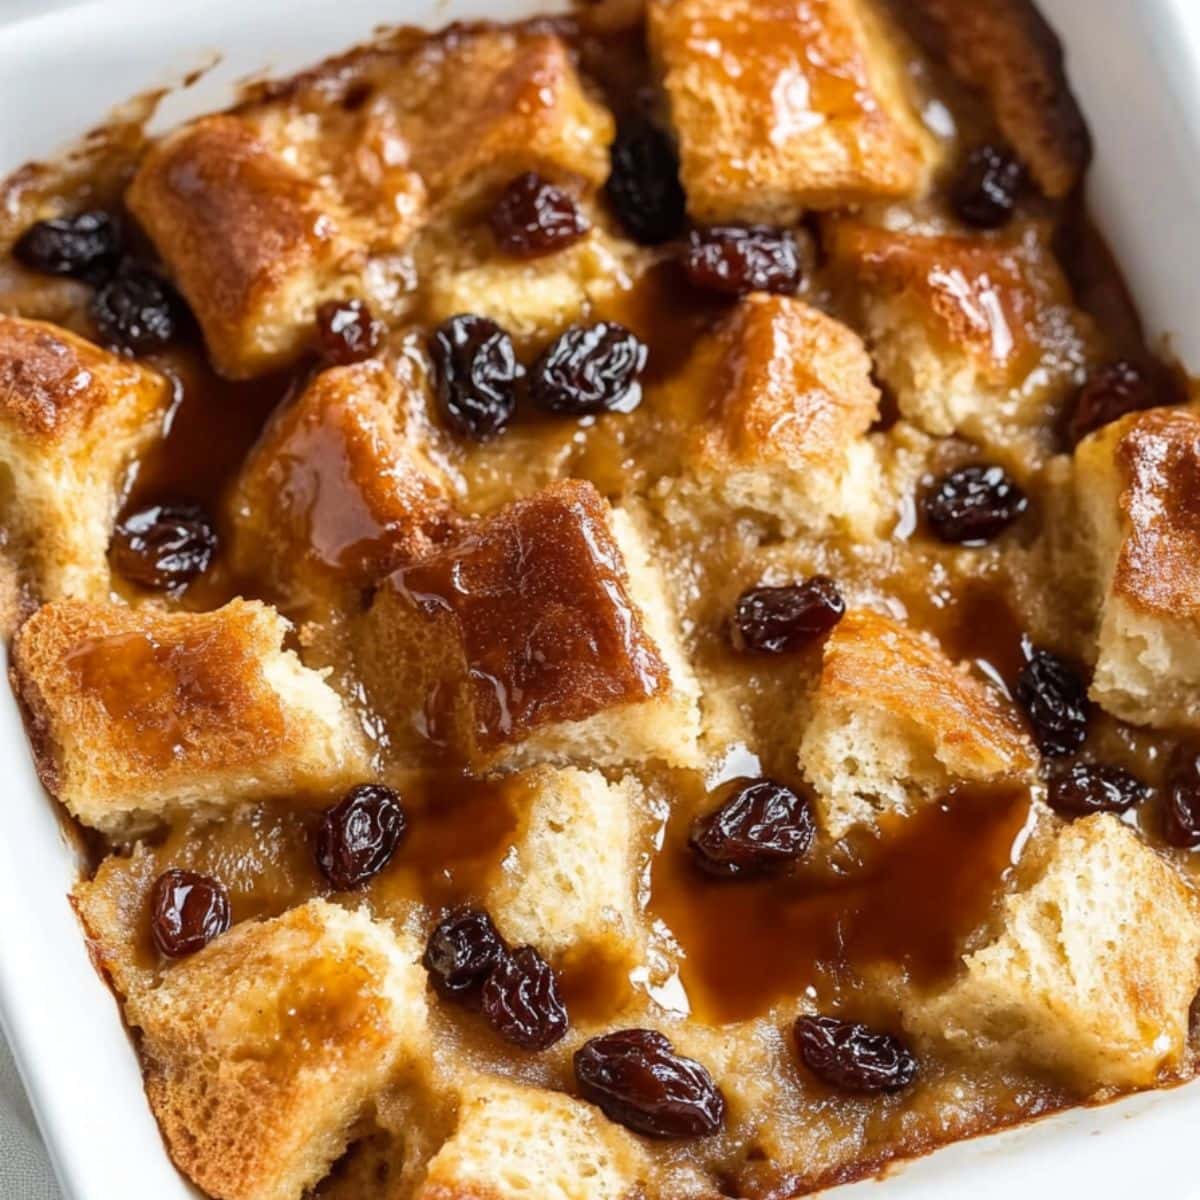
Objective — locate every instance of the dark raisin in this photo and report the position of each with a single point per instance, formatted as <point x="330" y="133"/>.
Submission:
<point x="359" y="835"/>
<point x="636" y="1079"/>
<point x="775" y="620"/>
<point x="762" y="827"/>
<point x="521" y="1000"/>
<point x="590" y="369"/>
<point x="1054" y="696"/>
<point x="164" y="546"/>
<point x="187" y="912"/>
<point x="854" y="1057"/>
<point x="1085" y="788"/>
<point x="461" y="953"/>
<point x="477" y="372"/>
<point x="1181" y="823"/>
<point x="972" y="505"/>
<point x="347" y="332"/>
<point x="136" y="311"/>
<point x="736" y="259"/>
<point x="533" y="217"/>
<point x="643" y="186"/>
<point x="987" y="189"/>
<point x="86" y="246"/>
<point x="1109" y="393"/>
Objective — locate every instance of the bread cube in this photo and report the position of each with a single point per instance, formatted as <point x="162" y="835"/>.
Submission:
<point x="782" y="107"/>
<point x="1093" y="971"/>
<point x="1136" y="484"/>
<point x="135" y="714"/>
<point x="542" y="636"/>
<point x="264" y="1050"/>
<point x="514" y="1142"/>
<point x="895" y="723"/>
<point x="340" y="488"/>
<point x="973" y="335"/>
<point x="72" y="419"/>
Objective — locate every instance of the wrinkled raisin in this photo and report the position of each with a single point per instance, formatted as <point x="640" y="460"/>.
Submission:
<point x="636" y="1079"/>
<point x="164" y="546"/>
<point x="347" y="332"/>
<point x="1110" y="392"/>
<point x="461" y="953"/>
<point x="590" y="369"/>
<point x="1182" y="801"/>
<point x="988" y="187"/>
<point x="1085" y="788"/>
<point x="775" y="620"/>
<point x="477" y="372"/>
<point x="86" y="246"/>
<point x="762" y="827"/>
<point x="187" y="912"/>
<point x="533" y="217"/>
<point x="972" y="505"/>
<point x="736" y="259"/>
<point x="854" y="1057"/>
<point x="521" y="1000"/>
<point x="643" y="186"/>
<point x="136" y="311"/>
<point x="1054" y="696"/>
<point x="359" y="835"/>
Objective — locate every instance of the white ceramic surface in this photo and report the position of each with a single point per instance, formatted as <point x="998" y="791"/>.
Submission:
<point x="1136" y="66"/>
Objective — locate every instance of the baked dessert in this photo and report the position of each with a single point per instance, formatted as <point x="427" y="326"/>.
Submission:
<point x="613" y="600"/>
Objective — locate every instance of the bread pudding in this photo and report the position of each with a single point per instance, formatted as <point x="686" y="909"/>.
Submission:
<point x="610" y="602"/>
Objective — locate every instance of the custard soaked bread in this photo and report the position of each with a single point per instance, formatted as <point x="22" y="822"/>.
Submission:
<point x="635" y="644"/>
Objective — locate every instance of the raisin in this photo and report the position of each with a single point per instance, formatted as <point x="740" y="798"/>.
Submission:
<point x="762" y="827"/>
<point x="636" y="1079"/>
<point x="987" y="189"/>
<point x="187" y="912"/>
<point x="477" y="371"/>
<point x="533" y="217"/>
<point x="643" y="185"/>
<point x="86" y="246"/>
<point x="736" y="259"/>
<point x="521" y="1000"/>
<point x="853" y="1057"/>
<point x="590" y="369"/>
<point x="776" y="620"/>
<point x="1054" y="697"/>
<point x="136" y="311"/>
<point x="972" y="505"/>
<point x="461" y="953"/>
<point x="1110" y="392"/>
<point x="347" y="332"/>
<point x="359" y="835"/>
<point x="164" y="546"/>
<point x="1085" y="788"/>
<point x="1182" y="801"/>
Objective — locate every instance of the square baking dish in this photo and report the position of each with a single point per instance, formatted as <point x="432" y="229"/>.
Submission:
<point x="1135" y="65"/>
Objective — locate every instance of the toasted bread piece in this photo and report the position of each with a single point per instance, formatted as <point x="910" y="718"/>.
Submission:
<point x="265" y="1049"/>
<point x="896" y="723"/>
<point x="974" y="335"/>
<point x="136" y="713"/>
<point x="1093" y="971"/>
<point x="514" y="1142"/>
<point x="340" y="488"/>
<point x="543" y="635"/>
<point x="568" y="885"/>
<point x="1136" y="485"/>
<point x="783" y="397"/>
<point x="72" y="419"/>
<point x="785" y="105"/>
<point x="1006" y="49"/>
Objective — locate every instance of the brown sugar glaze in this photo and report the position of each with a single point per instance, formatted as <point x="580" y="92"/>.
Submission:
<point x="860" y="932"/>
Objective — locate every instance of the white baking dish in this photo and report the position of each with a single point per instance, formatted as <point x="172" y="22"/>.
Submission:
<point x="1136" y="67"/>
